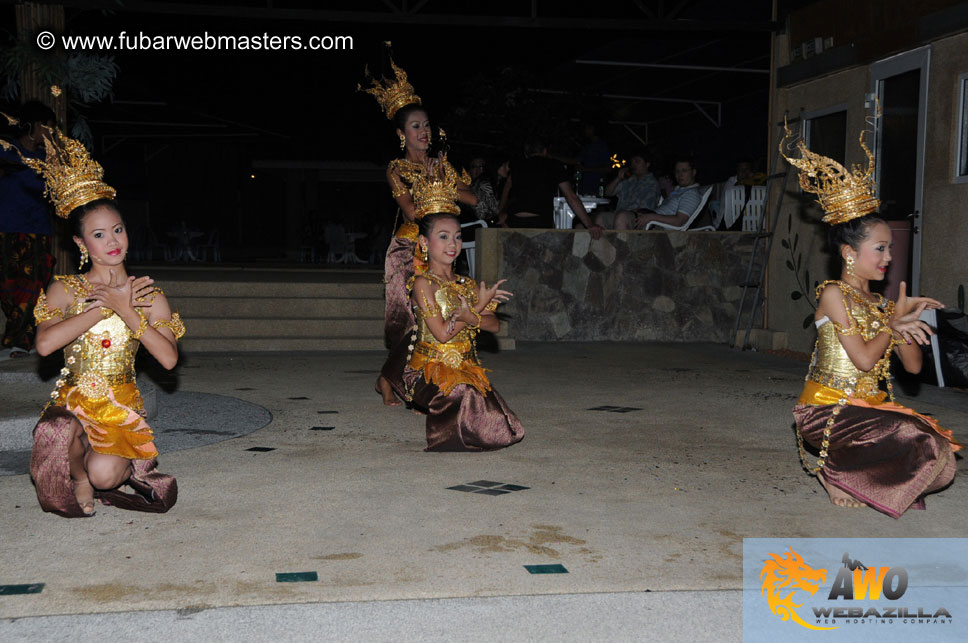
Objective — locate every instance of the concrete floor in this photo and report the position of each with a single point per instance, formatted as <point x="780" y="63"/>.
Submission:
<point x="653" y="500"/>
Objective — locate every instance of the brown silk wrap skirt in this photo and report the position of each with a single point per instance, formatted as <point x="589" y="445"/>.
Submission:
<point x="887" y="459"/>
<point x="465" y="419"/>
<point x="155" y="492"/>
<point x="398" y="321"/>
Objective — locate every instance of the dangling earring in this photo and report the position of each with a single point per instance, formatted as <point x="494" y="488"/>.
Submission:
<point x="423" y="253"/>
<point x="850" y="265"/>
<point x="84" y="256"/>
<point x="403" y="141"/>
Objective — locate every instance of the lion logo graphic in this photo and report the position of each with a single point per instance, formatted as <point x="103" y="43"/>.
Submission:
<point x="782" y="578"/>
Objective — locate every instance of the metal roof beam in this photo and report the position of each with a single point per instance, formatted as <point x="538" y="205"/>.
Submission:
<point x="453" y="20"/>
<point x="622" y="63"/>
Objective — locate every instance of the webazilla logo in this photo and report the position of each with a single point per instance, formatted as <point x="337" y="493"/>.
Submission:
<point x="784" y="577"/>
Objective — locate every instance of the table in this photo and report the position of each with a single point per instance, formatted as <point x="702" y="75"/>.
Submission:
<point x="564" y="215"/>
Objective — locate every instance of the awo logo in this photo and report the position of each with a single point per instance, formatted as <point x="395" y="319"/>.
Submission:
<point x="783" y="577"/>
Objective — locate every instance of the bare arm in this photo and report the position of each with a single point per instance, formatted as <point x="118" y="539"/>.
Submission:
<point x="502" y="208"/>
<point x="613" y="184"/>
<point x="579" y="209"/>
<point x="864" y="354"/>
<point x="56" y="333"/>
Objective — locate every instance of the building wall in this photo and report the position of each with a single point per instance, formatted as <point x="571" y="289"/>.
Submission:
<point x="799" y="218"/>
<point x="945" y="203"/>
<point x="944" y="242"/>
<point x="626" y="286"/>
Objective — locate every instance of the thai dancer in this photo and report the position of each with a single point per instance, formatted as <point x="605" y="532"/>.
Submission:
<point x="403" y="106"/>
<point x="444" y="377"/>
<point x="92" y="437"/>
<point x="872" y="451"/>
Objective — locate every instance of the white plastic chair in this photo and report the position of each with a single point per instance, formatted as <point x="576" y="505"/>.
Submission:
<point x="692" y="217"/>
<point x="469" y="247"/>
<point x="930" y="317"/>
<point x="754" y="208"/>
<point x="733" y="203"/>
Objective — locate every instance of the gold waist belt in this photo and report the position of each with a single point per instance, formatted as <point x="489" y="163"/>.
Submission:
<point x="862" y="387"/>
<point x="95" y="386"/>
<point x="408" y="230"/>
<point x="451" y="356"/>
<point x="109" y="379"/>
<point x="818" y="394"/>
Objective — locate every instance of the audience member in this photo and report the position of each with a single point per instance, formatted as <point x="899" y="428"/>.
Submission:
<point x="676" y="208"/>
<point x="532" y="184"/>
<point x="26" y="260"/>
<point x="636" y="188"/>
<point x="481" y="186"/>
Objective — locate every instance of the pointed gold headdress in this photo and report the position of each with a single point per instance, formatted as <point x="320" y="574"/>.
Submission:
<point x="437" y="192"/>
<point x="843" y="194"/>
<point x="73" y="178"/>
<point x="391" y="95"/>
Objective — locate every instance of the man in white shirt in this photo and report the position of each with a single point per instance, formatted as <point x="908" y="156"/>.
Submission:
<point x="680" y="204"/>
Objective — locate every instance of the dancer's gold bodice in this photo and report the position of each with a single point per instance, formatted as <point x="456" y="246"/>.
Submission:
<point x="830" y="364"/>
<point x="104" y="355"/>
<point x="454" y="361"/>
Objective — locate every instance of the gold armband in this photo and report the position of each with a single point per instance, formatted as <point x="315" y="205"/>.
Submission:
<point x="175" y="325"/>
<point x="492" y="305"/>
<point x="478" y="315"/>
<point x="42" y="313"/>
<point x="428" y="310"/>
<point x="142" y="327"/>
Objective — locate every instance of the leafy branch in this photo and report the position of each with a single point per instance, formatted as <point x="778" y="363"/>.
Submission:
<point x="86" y="78"/>
<point x="794" y="264"/>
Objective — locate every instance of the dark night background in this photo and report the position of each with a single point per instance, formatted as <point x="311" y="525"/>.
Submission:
<point x="184" y="129"/>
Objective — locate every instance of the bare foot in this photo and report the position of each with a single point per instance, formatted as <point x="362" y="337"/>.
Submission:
<point x="384" y="389"/>
<point x="838" y="496"/>
<point x="84" y="493"/>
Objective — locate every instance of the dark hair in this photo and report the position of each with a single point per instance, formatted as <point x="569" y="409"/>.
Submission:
<point x="76" y="218"/>
<point x="400" y="118"/>
<point x="684" y="158"/>
<point x="426" y="223"/>
<point x="641" y="153"/>
<point x="33" y="111"/>
<point x="534" y="145"/>
<point x="851" y="233"/>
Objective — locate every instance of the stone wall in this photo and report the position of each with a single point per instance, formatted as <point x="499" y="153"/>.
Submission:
<point x="627" y="286"/>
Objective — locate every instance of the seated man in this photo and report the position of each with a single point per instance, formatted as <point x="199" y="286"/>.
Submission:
<point x="677" y="208"/>
<point x="636" y="188"/>
<point x="532" y="185"/>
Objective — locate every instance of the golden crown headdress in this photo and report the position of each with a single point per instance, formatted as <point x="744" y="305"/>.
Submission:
<point x="391" y="95"/>
<point x="437" y="192"/>
<point x="843" y="194"/>
<point x="73" y="178"/>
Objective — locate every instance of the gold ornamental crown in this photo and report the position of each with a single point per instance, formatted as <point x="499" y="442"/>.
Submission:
<point x="391" y="95"/>
<point x="73" y="178"/>
<point x="843" y="194"/>
<point x="438" y="191"/>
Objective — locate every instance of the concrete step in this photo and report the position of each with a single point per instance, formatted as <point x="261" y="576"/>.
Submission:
<point x="238" y="327"/>
<point x="177" y="289"/>
<point x="291" y="307"/>
<point x="280" y="344"/>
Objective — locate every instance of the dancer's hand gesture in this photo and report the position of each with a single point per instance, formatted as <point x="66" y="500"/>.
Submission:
<point x="485" y="294"/>
<point x="905" y="304"/>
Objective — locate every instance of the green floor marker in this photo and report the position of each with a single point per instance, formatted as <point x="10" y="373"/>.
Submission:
<point x="297" y="577"/>
<point x="546" y="569"/>
<point x="31" y="588"/>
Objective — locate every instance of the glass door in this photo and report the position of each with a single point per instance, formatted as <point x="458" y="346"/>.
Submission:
<point x="900" y="84"/>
